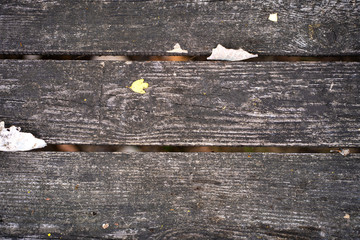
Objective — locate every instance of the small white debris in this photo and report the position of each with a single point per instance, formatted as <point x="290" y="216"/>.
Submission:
<point x="12" y="140"/>
<point x="345" y="152"/>
<point x="331" y="86"/>
<point x="347" y="216"/>
<point x="177" y="49"/>
<point x="273" y="17"/>
<point x="222" y="53"/>
<point x="105" y="225"/>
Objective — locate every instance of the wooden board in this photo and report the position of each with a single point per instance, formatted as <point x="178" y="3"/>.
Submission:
<point x="187" y="103"/>
<point x="124" y="27"/>
<point x="179" y="195"/>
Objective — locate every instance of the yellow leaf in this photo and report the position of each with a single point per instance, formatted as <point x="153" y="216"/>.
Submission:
<point x="139" y="86"/>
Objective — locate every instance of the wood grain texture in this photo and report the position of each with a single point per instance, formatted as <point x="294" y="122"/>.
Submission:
<point x="107" y="27"/>
<point x="179" y="195"/>
<point x="187" y="103"/>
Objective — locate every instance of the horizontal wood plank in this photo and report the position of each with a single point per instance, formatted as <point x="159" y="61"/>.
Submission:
<point x="179" y="195"/>
<point x="125" y="27"/>
<point x="187" y="103"/>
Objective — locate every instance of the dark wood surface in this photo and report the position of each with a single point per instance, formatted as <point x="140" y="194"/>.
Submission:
<point x="330" y="27"/>
<point x="187" y="103"/>
<point x="179" y="195"/>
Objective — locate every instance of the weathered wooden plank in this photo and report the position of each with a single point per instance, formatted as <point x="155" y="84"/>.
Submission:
<point x="124" y="27"/>
<point x="179" y="195"/>
<point x="187" y="103"/>
<point x="52" y="96"/>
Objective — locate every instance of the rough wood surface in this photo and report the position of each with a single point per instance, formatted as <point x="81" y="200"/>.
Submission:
<point x="153" y="27"/>
<point x="179" y="195"/>
<point x="187" y="103"/>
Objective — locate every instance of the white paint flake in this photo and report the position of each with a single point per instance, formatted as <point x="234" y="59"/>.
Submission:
<point x="345" y="152"/>
<point x="177" y="49"/>
<point x="12" y="140"/>
<point x="222" y="53"/>
<point x="273" y="17"/>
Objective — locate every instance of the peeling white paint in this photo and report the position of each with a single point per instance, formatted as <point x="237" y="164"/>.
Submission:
<point x="222" y="53"/>
<point x="177" y="49"/>
<point x="345" y="152"/>
<point x="12" y="140"/>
